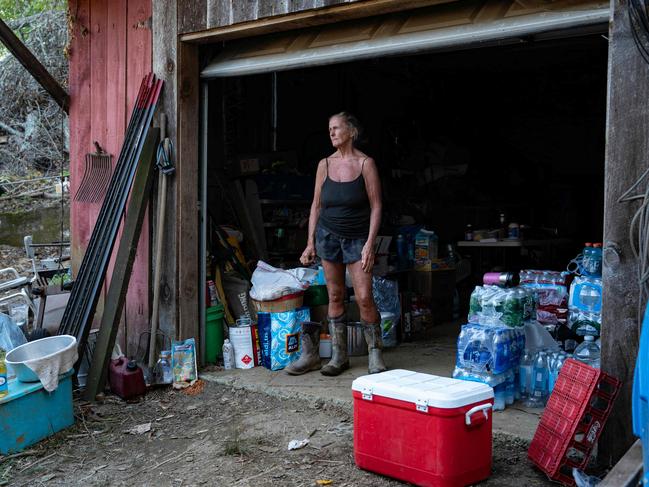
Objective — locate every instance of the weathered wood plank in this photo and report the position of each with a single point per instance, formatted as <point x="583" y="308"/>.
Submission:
<point x="627" y="151"/>
<point x="269" y="9"/>
<point x="97" y="106"/>
<point x="245" y="11"/>
<point x="187" y="190"/>
<point x="192" y="16"/>
<point x="138" y="58"/>
<point x="165" y="26"/>
<point x="116" y="296"/>
<point x="221" y="26"/>
<point x="79" y="122"/>
<point x="219" y="12"/>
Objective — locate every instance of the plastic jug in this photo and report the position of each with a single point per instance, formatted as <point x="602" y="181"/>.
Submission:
<point x="126" y="378"/>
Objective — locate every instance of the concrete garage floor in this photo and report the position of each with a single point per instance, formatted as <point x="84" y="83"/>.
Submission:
<point x="435" y="356"/>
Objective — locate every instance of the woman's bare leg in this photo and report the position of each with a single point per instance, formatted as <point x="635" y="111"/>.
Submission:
<point x="335" y="277"/>
<point x="370" y="317"/>
<point x="362" y="282"/>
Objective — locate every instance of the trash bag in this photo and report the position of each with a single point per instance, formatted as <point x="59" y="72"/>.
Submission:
<point x="269" y="283"/>
<point x="236" y="295"/>
<point x="10" y="335"/>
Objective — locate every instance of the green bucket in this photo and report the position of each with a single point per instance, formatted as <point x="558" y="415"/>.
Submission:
<point x="316" y="296"/>
<point x="214" y="333"/>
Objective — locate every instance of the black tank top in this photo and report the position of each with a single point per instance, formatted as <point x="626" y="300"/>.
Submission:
<point x="345" y="207"/>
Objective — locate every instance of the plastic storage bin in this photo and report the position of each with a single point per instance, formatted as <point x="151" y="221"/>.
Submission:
<point x="640" y="400"/>
<point x="29" y="413"/>
<point x="423" y="429"/>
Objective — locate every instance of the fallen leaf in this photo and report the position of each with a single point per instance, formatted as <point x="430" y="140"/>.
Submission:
<point x="324" y="482"/>
<point x="139" y="429"/>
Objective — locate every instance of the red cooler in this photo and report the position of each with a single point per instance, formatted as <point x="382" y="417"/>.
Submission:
<point x="423" y="429"/>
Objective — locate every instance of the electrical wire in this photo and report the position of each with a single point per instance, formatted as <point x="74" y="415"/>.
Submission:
<point x="638" y="11"/>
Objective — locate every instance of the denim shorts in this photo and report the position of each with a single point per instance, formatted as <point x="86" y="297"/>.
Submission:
<point x="337" y="249"/>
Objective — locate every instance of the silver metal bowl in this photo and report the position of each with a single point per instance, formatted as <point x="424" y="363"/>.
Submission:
<point x="356" y="345"/>
<point x="44" y="348"/>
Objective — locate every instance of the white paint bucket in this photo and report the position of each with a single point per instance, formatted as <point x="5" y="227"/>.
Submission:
<point x="241" y="340"/>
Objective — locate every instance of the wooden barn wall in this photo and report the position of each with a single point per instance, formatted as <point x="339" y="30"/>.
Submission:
<point x="110" y="52"/>
<point x="206" y="14"/>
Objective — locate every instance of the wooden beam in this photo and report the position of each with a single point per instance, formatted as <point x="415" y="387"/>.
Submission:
<point x="165" y="40"/>
<point x="187" y="190"/>
<point x="34" y="66"/>
<point x="307" y="18"/>
<point x="123" y="266"/>
<point x="627" y="151"/>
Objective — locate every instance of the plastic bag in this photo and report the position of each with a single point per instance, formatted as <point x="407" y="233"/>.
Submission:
<point x="236" y="295"/>
<point x="386" y="297"/>
<point x="584" y="480"/>
<point x="269" y="283"/>
<point x="10" y="335"/>
<point x="537" y="337"/>
<point x="183" y="363"/>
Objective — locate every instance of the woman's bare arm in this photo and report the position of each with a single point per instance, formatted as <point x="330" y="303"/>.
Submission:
<point x="373" y="187"/>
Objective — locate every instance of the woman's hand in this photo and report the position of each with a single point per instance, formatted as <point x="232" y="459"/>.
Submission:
<point x="308" y="256"/>
<point x="367" y="257"/>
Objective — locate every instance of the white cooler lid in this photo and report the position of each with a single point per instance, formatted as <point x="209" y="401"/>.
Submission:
<point x="417" y="388"/>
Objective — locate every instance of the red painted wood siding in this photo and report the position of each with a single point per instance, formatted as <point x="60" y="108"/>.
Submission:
<point x="110" y="52"/>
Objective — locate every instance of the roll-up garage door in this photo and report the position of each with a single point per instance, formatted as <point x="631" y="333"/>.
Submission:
<point x="455" y="25"/>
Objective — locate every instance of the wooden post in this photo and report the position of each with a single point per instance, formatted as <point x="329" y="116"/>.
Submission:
<point x="627" y="152"/>
<point x="123" y="265"/>
<point x="34" y="66"/>
<point x="187" y="188"/>
<point x="165" y="42"/>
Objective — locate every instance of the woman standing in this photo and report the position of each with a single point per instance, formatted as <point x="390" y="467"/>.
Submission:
<point x="343" y="224"/>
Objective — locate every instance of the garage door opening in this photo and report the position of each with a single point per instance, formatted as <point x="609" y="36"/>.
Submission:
<point x="460" y="138"/>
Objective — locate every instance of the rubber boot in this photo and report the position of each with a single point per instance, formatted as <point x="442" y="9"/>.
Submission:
<point x="310" y="357"/>
<point x="339" y="360"/>
<point x="372" y="333"/>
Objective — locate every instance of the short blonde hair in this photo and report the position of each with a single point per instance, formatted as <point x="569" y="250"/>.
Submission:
<point x="352" y="122"/>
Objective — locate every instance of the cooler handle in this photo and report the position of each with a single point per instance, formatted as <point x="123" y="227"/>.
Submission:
<point x="479" y="420"/>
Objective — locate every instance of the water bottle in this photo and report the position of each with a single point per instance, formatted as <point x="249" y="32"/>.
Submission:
<point x="509" y="388"/>
<point x="501" y="352"/>
<point x="539" y="382"/>
<point x="525" y="375"/>
<point x="588" y="352"/>
<point x="517" y="384"/>
<point x="500" y="397"/>
<point x="586" y="259"/>
<point x="552" y="371"/>
<point x="228" y="355"/>
<point x="402" y="252"/>
<point x="162" y="370"/>
<point x="596" y="257"/>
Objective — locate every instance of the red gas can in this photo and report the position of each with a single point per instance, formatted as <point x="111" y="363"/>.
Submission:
<point x="421" y="428"/>
<point x="126" y="378"/>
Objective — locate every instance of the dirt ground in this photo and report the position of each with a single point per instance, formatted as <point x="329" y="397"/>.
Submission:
<point x="219" y="436"/>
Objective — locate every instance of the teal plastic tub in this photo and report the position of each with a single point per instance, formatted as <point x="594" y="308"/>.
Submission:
<point x="29" y="413"/>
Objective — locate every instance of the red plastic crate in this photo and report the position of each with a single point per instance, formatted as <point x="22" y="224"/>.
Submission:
<point x="573" y="419"/>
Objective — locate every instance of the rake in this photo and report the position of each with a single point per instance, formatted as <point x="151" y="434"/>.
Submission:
<point x="95" y="177"/>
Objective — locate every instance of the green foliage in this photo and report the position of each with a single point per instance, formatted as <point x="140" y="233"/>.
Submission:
<point x="18" y="9"/>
